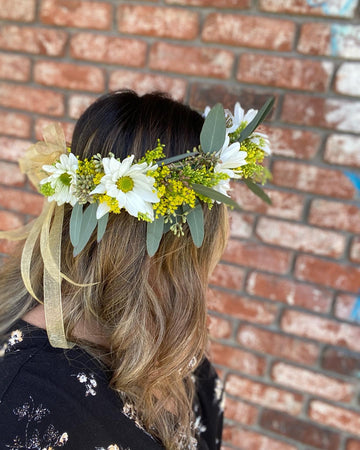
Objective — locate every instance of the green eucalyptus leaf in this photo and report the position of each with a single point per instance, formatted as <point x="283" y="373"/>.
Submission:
<point x="102" y="223"/>
<point x="154" y="234"/>
<point x="88" y="225"/>
<point x="75" y="223"/>
<point x="195" y="220"/>
<point x="212" y="136"/>
<point x="260" y="116"/>
<point x="215" y="195"/>
<point x="256" y="189"/>
<point x="176" y="158"/>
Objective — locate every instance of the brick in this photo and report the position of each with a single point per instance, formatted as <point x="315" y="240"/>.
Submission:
<point x="330" y="8"/>
<point x="27" y="98"/>
<point x="13" y="149"/>
<point x="14" y="124"/>
<point x="309" y="178"/>
<point x="240" y="412"/>
<point x="20" y="10"/>
<point x="300" y="237"/>
<point x="293" y="143"/>
<point x="227" y="276"/>
<point x="265" y="395"/>
<point x="78" y="103"/>
<point x="7" y="247"/>
<point x="289" y="73"/>
<point x="10" y="174"/>
<point x="69" y="76"/>
<point x="355" y="250"/>
<point x="346" y="307"/>
<point x="338" y="40"/>
<point x="10" y="221"/>
<point x="299" y="430"/>
<point x="41" y="124"/>
<point x="39" y="41"/>
<point x="336" y="114"/>
<point x="201" y="61"/>
<point x="346" y="79"/>
<point x="276" y="344"/>
<point x="219" y="328"/>
<point x="290" y="292"/>
<point x="14" y="67"/>
<point x="283" y="204"/>
<point x="335" y="215"/>
<point x="343" y="149"/>
<point x="352" y="444"/>
<point x="241" y="225"/>
<point x="144" y="83"/>
<point x="321" y="329"/>
<point x="308" y="381"/>
<point x="21" y="201"/>
<point x="327" y="273"/>
<point x="240" y="4"/>
<point x="249" y="31"/>
<point x="341" y="361"/>
<point x="79" y="14"/>
<point x="252" y="440"/>
<point x="251" y="254"/>
<point x="241" y="307"/>
<point x="237" y="359"/>
<point x="334" y="416"/>
<point x="108" y="49"/>
<point x="173" y="23"/>
<point x="204" y="94"/>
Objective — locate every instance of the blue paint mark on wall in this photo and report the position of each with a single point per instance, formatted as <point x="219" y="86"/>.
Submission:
<point x="332" y="8"/>
<point x="355" y="313"/>
<point x="355" y="179"/>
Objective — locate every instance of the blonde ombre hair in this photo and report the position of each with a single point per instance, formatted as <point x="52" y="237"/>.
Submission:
<point x="151" y="311"/>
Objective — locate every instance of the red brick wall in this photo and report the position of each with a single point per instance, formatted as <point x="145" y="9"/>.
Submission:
<point x="284" y="309"/>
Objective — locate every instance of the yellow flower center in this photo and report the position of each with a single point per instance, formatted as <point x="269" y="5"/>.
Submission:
<point x="65" y="178"/>
<point x="125" y="184"/>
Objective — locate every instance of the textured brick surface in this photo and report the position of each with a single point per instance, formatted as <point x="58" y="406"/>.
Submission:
<point x="80" y="14"/>
<point x="14" y="67"/>
<point x="329" y="8"/>
<point x="219" y="328"/>
<point x="33" y="40"/>
<point x="264" y="395"/>
<point x="335" y="416"/>
<point x="191" y="60"/>
<point x="300" y="237"/>
<point x="249" y="31"/>
<point x="287" y="291"/>
<point x="111" y="50"/>
<point x="240" y="411"/>
<point x="69" y="76"/>
<point x="22" y="10"/>
<point x="27" y="203"/>
<point x="335" y="215"/>
<point x="253" y="440"/>
<point x="341" y="362"/>
<point x="227" y="276"/>
<point x="12" y="149"/>
<point x="355" y="249"/>
<point x="10" y="174"/>
<point x="154" y="21"/>
<point x="288" y="73"/>
<point x="346" y="79"/>
<point x="14" y="124"/>
<point x="78" y="103"/>
<point x="143" y="83"/>
<point x="293" y="143"/>
<point x="241" y="4"/>
<point x="299" y="430"/>
<point x="277" y="344"/>
<point x="343" y="149"/>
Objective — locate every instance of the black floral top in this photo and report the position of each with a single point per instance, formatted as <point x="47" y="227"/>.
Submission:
<point x="53" y="398"/>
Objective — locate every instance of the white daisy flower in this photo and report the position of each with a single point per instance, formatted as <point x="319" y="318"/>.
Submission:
<point x="62" y="179"/>
<point x="238" y="118"/>
<point x="230" y="158"/>
<point x="262" y="140"/>
<point x="129" y="184"/>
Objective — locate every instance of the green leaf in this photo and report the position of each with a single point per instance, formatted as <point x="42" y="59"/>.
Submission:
<point x="154" y="234"/>
<point x="256" y="189"/>
<point x="102" y="223"/>
<point x="215" y="195"/>
<point x="212" y="136"/>
<point x="88" y="225"/>
<point x="260" y="116"/>
<point x="75" y="223"/>
<point x="195" y="220"/>
<point x="176" y="158"/>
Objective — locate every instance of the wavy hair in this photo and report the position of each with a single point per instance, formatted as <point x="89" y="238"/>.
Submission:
<point x="151" y="311"/>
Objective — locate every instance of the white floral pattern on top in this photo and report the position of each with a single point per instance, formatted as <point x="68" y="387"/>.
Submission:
<point x="30" y="415"/>
<point x="219" y="394"/>
<point x="112" y="447"/>
<point x="89" y="382"/>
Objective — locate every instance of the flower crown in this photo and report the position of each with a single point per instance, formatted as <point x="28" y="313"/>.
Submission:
<point x="165" y="192"/>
